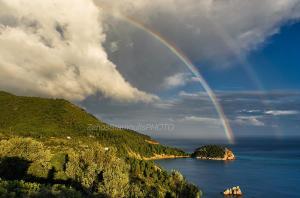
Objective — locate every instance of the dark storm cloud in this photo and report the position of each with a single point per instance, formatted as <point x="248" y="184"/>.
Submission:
<point x="214" y="32"/>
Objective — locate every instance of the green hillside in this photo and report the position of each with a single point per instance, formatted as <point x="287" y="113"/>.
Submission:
<point x="29" y="168"/>
<point x="42" y="117"/>
<point x="51" y="119"/>
<point x="53" y="148"/>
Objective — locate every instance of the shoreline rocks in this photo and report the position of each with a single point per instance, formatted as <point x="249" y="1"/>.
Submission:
<point x="234" y="191"/>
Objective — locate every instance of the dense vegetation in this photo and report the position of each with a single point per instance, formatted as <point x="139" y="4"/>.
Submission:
<point x="29" y="168"/>
<point x="210" y="151"/>
<point x="52" y="148"/>
<point x="51" y="118"/>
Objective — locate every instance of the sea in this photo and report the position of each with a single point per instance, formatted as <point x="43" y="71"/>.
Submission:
<point x="264" y="168"/>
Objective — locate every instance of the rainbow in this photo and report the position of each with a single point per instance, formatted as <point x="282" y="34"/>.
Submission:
<point x="188" y="63"/>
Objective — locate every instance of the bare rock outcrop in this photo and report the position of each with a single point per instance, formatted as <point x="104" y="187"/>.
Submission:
<point x="228" y="155"/>
<point x="234" y="191"/>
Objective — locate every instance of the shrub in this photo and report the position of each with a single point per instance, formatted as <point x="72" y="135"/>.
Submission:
<point x="26" y="156"/>
<point x="99" y="171"/>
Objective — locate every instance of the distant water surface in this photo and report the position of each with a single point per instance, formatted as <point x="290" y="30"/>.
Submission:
<point x="264" y="168"/>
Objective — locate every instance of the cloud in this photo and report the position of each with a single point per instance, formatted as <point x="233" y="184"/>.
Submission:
<point x="188" y="95"/>
<point x="250" y="111"/>
<point x="248" y="120"/>
<point x="203" y="120"/>
<point x="281" y="112"/>
<point x="193" y="95"/>
<point x="74" y="49"/>
<point x="213" y="27"/>
<point x="176" y="80"/>
<point x="211" y="33"/>
<point x="114" y="47"/>
<point x="164" y="104"/>
<point x="54" y="48"/>
<point x="198" y="116"/>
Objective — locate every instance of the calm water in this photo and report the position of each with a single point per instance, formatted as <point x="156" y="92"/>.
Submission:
<point x="264" y="168"/>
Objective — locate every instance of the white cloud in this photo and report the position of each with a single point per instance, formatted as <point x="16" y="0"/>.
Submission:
<point x="185" y="94"/>
<point x="194" y="95"/>
<point x="176" y="80"/>
<point x="165" y="104"/>
<point x="249" y="111"/>
<point x="282" y="112"/>
<point x="114" y="46"/>
<point x="197" y="119"/>
<point x="249" y="120"/>
<point x="54" y="48"/>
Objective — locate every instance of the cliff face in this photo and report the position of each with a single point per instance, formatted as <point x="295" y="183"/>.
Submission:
<point x="228" y="155"/>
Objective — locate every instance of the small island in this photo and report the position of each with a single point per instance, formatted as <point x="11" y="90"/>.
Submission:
<point x="233" y="192"/>
<point x="213" y="152"/>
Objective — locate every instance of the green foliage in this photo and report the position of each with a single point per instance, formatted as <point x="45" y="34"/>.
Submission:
<point x="14" y="189"/>
<point x="59" y="161"/>
<point x="149" y="180"/>
<point x="25" y="154"/>
<point x="59" y="166"/>
<point x="38" y="160"/>
<point x="38" y="117"/>
<point x="24" y="148"/>
<point x="57" y="118"/>
<point x="99" y="171"/>
<point x="40" y="169"/>
<point x="91" y="171"/>
<point x="210" y="151"/>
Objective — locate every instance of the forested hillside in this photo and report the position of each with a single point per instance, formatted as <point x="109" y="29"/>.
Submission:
<point x="57" y="118"/>
<point x="53" y="148"/>
<point x="28" y="168"/>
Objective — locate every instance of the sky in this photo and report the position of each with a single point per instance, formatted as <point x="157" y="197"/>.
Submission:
<point x="276" y="65"/>
<point x="106" y="57"/>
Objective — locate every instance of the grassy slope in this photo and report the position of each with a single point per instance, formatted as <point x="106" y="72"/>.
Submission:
<point x="57" y="118"/>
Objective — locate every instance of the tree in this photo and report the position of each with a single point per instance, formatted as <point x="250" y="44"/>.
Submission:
<point x="99" y="171"/>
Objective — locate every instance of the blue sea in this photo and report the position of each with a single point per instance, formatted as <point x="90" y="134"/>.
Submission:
<point x="263" y="168"/>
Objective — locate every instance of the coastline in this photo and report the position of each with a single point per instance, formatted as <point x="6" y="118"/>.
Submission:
<point x="160" y="157"/>
<point x="214" y="159"/>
